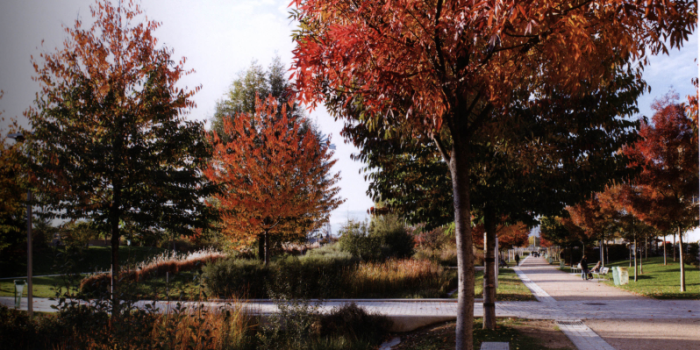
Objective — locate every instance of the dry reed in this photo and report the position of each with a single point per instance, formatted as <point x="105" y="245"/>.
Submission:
<point x="170" y="262"/>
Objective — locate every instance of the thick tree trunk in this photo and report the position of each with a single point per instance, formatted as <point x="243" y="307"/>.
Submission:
<point x="459" y="170"/>
<point x="489" y="269"/>
<point x="680" y="253"/>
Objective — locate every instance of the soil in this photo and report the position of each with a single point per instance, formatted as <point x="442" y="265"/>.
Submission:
<point x="520" y="333"/>
<point x="649" y="334"/>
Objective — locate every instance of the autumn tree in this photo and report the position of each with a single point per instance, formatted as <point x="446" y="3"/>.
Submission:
<point x="241" y="98"/>
<point x="662" y="194"/>
<point x="270" y="172"/>
<point x="256" y="81"/>
<point x="13" y="189"/>
<point x="515" y="177"/>
<point x="111" y="141"/>
<point x="453" y="63"/>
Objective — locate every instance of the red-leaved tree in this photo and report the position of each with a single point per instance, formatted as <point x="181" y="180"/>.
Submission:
<point x="447" y="69"/>
<point x="270" y="174"/>
<point x="662" y="195"/>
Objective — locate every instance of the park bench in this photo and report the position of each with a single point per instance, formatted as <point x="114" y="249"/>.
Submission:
<point x="576" y="270"/>
<point x="602" y="271"/>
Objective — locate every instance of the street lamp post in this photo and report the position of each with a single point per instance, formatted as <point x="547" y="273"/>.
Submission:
<point x="30" y="300"/>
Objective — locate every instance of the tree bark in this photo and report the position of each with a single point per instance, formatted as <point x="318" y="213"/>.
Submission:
<point x="489" y="268"/>
<point x="635" y="258"/>
<point x="680" y="253"/>
<point x="261" y="247"/>
<point x="114" y="278"/>
<point x="267" y="248"/>
<point x="641" y="261"/>
<point x="664" y="245"/>
<point x="602" y="251"/>
<point x="459" y="170"/>
<point x="674" y="247"/>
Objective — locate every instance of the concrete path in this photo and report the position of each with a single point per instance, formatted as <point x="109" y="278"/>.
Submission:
<point x="604" y="317"/>
<point x="570" y="287"/>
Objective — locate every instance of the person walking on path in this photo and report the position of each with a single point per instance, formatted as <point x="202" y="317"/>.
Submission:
<point x="517" y="259"/>
<point x="584" y="268"/>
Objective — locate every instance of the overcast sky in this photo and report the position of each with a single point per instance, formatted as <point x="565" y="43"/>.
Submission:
<point x="221" y="38"/>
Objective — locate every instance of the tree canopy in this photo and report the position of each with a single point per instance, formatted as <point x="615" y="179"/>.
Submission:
<point x="452" y="63"/>
<point x="270" y="172"/>
<point x="111" y="141"/>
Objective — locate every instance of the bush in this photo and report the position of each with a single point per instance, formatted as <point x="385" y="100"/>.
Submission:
<point x="321" y="276"/>
<point x="353" y="322"/>
<point x="355" y="238"/>
<point x="386" y="237"/>
<point x="237" y="278"/>
<point x="691" y="255"/>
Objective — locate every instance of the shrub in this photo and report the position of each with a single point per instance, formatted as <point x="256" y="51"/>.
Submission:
<point x="691" y="255"/>
<point x="237" y="278"/>
<point x="353" y="322"/>
<point x="355" y="238"/>
<point x="320" y="276"/>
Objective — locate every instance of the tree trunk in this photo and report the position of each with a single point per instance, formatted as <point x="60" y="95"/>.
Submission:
<point x="267" y="248"/>
<point x="641" y="261"/>
<point x="635" y="258"/>
<point x="664" y="245"/>
<point x="630" y="251"/>
<point x="114" y="278"/>
<point x="602" y="251"/>
<point x="674" y="247"/>
<point x="489" y="268"/>
<point x="459" y="170"/>
<point x="680" y="253"/>
<point x="261" y="247"/>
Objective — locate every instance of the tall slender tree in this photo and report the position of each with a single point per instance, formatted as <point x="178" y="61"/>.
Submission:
<point x="111" y="141"/>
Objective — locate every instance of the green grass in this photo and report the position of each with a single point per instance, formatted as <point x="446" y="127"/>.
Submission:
<point x="659" y="281"/>
<point x="180" y="286"/>
<point x="49" y="261"/>
<point x="43" y="287"/>
<point x="510" y="287"/>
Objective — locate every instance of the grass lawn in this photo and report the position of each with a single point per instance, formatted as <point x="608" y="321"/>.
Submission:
<point x="510" y="287"/>
<point x="48" y="261"/>
<point x="659" y="281"/>
<point x="180" y="286"/>
<point x="519" y="333"/>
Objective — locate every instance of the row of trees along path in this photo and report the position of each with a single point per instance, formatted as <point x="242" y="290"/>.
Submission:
<point x="449" y="75"/>
<point x="658" y="201"/>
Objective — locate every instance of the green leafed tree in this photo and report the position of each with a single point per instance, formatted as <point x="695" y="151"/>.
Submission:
<point x="111" y="141"/>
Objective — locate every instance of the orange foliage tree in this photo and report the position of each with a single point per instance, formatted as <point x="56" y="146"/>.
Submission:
<point x="270" y="174"/>
<point x="514" y="235"/>
<point x="662" y="195"/>
<point x="443" y="67"/>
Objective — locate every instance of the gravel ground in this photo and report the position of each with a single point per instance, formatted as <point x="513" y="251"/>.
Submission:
<point x="666" y="334"/>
